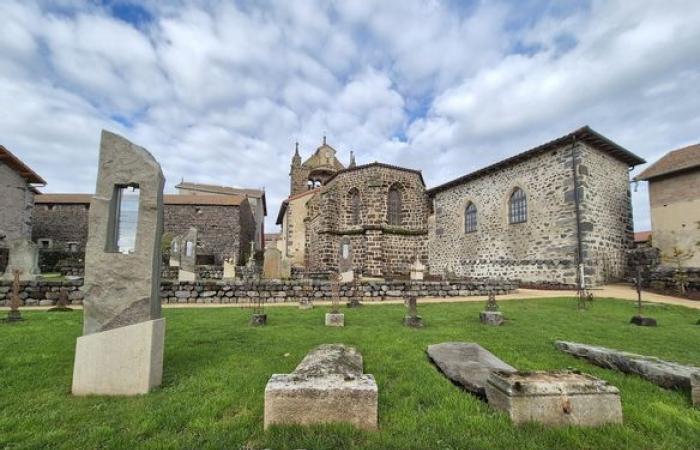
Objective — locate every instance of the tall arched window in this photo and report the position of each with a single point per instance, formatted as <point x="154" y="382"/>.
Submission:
<point x="517" y="206"/>
<point x="355" y="218"/>
<point x="470" y="218"/>
<point x="394" y="207"/>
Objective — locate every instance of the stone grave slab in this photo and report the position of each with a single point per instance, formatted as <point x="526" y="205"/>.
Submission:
<point x="554" y="398"/>
<point x="188" y="256"/>
<point x="335" y="319"/>
<point x="23" y="256"/>
<point x="121" y="350"/>
<point x="328" y="386"/>
<point x="175" y="249"/>
<point x="467" y="364"/>
<point x="666" y="374"/>
<point x="272" y="264"/>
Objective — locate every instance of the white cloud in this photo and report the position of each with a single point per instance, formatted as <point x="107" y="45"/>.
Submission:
<point x="220" y="91"/>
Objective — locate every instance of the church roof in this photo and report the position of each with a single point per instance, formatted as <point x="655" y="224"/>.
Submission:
<point x="317" y="160"/>
<point x="16" y="164"/>
<point x="377" y="164"/>
<point x="285" y="203"/>
<point x="584" y="134"/>
<point x="675" y="161"/>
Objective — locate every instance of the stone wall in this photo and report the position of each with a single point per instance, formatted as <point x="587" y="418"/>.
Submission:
<point x="541" y="250"/>
<point x="46" y="292"/>
<point x="16" y="203"/>
<point x="4" y="254"/>
<point x="62" y="223"/>
<point x="376" y="247"/>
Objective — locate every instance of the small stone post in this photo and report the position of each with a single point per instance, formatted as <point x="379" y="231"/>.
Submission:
<point x="412" y="319"/>
<point x="335" y="318"/>
<point x="259" y="317"/>
<point x="61" y="303"/>
<point x="14" y="315"/>
<point x="355" y="300"/>
<point x="491" y="315"/>
<point x="639" y="319"/>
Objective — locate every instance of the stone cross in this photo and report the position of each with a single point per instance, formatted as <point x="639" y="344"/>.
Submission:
<point x="412" y="306"/>
<point x="14" y="314"/>
<point x="491" y="304"/>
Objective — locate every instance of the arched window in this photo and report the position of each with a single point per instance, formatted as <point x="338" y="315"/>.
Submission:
<point x="317" y="184"/>
<point x="517" y="206"/>
<point x="470" y="218"/>
<point x="394" y="207"/>
<point x="355" y="218"/>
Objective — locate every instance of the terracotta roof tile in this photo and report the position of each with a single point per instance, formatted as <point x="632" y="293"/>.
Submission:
<point x="682" y="159"/>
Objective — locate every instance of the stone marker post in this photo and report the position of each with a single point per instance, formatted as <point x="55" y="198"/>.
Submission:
<point x="121" y="350"/>
<point x="335" y="318"/>
<point x="639" y="319"/>
<point x="491" y="315"/>
<point x="14" y="315"/>
<point x="61" y="302"/>
<point x="412" y="319"/>
<point x="188" y="256"/>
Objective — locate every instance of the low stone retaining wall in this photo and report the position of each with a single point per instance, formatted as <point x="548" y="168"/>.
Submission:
<point x="46" y="292"/>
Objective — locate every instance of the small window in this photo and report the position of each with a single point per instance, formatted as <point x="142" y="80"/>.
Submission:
<point x="470" y="218"/>
<point x="517" y="210"/>
<point x="309" y="185"/>
<point x="45" y="243"/>
<point x="317" y="184"/>
<point x="73" y="247"/>
<point x="123" y="220"/>
<point x="394" y="207"/>
<point x="355" y="207"/>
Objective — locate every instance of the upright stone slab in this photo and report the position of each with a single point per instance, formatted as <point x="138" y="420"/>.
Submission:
<point x="417" y="269"/>
<point x="327" y="386"/>
<point x="229" y="269"/>
<point x="666" y="374"/>
<point x="121" y="351"/>
<point x="467" y="364"/>
<point x="24" y="256"/>
<point x="272" y="265"/>
<point x="175" y="251"/>
<point x="554" y="398"/>
<point x="188" y="256"/>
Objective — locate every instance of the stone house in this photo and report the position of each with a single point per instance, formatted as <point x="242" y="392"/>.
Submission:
<point x="225" y="223"/>
<point x="674" y="197"/>
<point x="292" y="241"/>
<point x="17" y="190"/>
<point x="521" y="218"/>
<point x="370" y="218"/>
<point x="256" y="200"/>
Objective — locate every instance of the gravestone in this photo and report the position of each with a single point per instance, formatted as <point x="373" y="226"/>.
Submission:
<point x="412" y="319"/>
<point x="285" y="269"/>
<point x="666" y="374"/>
<point x="121" y="350"/>
<point x="467" y="364"/>
<point x="345" y="259"/>
<point x="554" y="398"/>
<point x="491" y="315"/>
<point x="14" y="314"/>
<point x="188" y="256"/>
<point x="335" y="318"/>
<point x="23" y="256"/>
<point x="417" y="269"/>
<point x="61" y="303"/>
<point x="272" y="264"/>
<point x="229" y="269"/>
<point x="175" y="251"/>
<point x="328" y="386"/>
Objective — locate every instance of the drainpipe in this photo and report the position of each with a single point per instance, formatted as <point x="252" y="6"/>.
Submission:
<point x="577" y="203"/>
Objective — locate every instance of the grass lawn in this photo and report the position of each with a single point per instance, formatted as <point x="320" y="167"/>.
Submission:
<point x="216" y="368"/>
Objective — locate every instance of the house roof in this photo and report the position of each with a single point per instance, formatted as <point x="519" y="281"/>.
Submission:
<point x="18" y="166"/>
<point x="168" y="199"/>
<point x="376" y="164"/>
<point x="224" y="190"/>
<point x="675" y="161"/>
<point x="642" y="236"/>
<point x="585" y="134"/>
<point x="285" y="203"/>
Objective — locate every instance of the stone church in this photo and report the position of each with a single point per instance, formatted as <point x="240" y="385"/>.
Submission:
<point x="370" y="218"/>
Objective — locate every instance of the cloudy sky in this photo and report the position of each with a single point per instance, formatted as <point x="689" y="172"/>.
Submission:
<point x="219" y="91"/>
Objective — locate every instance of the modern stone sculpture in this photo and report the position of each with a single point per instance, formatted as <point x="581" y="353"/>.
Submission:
<point x="23" y="256"/>
<point x="188" y="256"/>
<point x="554" y="398"/>
<point x="491" y="315"/>
<point x="467" y="364"/>
<point x="121" y="350"/>
<point x="666" y="374"/>
<point x="327" y="386"/>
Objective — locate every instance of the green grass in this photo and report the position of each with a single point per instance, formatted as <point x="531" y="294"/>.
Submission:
<point x="216" y="368"/>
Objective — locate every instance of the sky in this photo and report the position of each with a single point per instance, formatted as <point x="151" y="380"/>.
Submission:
<point x="220" y="91"/>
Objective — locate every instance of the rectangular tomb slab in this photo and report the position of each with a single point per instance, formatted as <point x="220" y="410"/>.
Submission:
<point x="328" y="386"/>
<point x="554" y="398"/>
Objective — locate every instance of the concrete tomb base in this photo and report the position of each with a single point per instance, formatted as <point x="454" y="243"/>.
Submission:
<point x="494" y="318"/>
<point x="335" y="319"/>
<point x="554" y="398"/>
<point x="413" y="321"/>
<point x="258" y="320"/>
<point x="122" y="361"/>
<point x="467" y="364"/>
<point x="327" y="387"/>
<point x="666" y="374"/>
<point x="643" y="321"/>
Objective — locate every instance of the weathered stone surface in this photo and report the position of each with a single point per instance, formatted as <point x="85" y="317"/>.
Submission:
<point x="188" y="256"/>
<point x="494" y="318"/>
<point x="554" y="398"/>
<point x="122" y="289"/>
<point x="229" y="269"/>
<point x="123" y="361"/>
<point x="328" y="386"/>
<point x="335" y="319"/>
<point x="175" y="251"/>
<point x="24" y="256"/>
<point x="467" y="364"/>
<point x="272" y="265"/>
<point x="666" y="374"/>
<point x="695" y="388"/>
